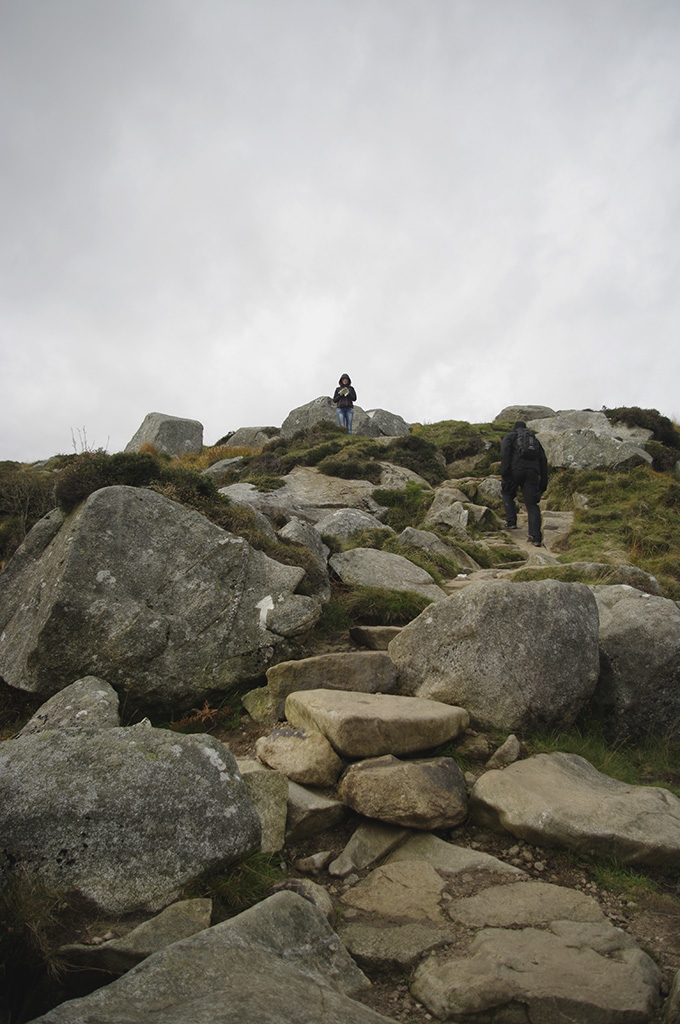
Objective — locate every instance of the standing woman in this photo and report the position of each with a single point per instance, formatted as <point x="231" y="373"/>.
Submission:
<point x="345" y="396"/>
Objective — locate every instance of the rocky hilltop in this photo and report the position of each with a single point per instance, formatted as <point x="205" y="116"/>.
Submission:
<point x="385" y="761"/>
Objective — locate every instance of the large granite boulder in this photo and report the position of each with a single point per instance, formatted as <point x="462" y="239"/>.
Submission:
<point x="514" y="655"/>
<point x="297" y="531"/>
<point x="309" y="495"/>
<point x="584" y="440"/>
<point x="524" y="412"/>
<point x="105" y="813"/>
<point x="638" y="692"/>
<point x="169" y="435"/>
<point x="323" y="410"/>
<point x="167" y="607"/>
<point x="251" y="437"/>
<point x="221" y="471"/>
<point x="367" y="567"/>
<point x="562" y="800"/>
<point x="278" y="962"/>
<point x="344" y="523"/>
<point x="388" y="423"/>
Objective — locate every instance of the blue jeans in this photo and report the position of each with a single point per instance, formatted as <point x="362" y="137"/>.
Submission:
<point x="345" y="417"/>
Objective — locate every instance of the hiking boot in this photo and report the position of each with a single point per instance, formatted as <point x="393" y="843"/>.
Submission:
<point x="536" y="541"/>
<point x="509" y="526"/>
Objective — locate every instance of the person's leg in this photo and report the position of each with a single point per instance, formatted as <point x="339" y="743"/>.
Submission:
<point x="341" y="416"/>
<point x="531" y="496"/>
<point x="508" y="496"/>
<point x="349" y="416"/>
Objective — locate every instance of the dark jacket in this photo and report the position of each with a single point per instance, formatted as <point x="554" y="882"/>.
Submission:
<point x="513" y="465"/>
<point x="345" y="401"/>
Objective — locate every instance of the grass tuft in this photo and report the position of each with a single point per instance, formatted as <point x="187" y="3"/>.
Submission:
<point x="653" y="761"/>
<point x="367" y="606"/>
<point x="239" y="886"/>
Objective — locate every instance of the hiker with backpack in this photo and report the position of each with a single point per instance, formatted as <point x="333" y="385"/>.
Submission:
<point x="523" y="465"/>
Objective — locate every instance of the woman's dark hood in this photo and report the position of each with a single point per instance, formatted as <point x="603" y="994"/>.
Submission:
<point x="344" y="375"/>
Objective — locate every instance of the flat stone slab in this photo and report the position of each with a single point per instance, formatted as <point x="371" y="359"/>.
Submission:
<point x="575" y="972"/>
<point x="524" y="903"/>
<point x="391" y="946"/>
<point x="368" y="725"/>
<point x="176" y="922"/>
<point x="376" y="638"/>
<point x="268" y="789"/>
<point x="449" y="858"/>
<point x="408" y="890"/>
<point x="562" y="800"/>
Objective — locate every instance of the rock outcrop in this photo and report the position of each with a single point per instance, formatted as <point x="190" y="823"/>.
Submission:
<point x="586" y="440"/>
<point x="375" y="423"/>
<point x="561" y="800"/>
<point x="514" y="655"/>
<point x="285" y="966"/>
<point x="638" y="690"/>
<point x="167" y="607"/>
<point x="105" y="812"/>
<point x="169" y="435"/>
<point x="366" y="567"/>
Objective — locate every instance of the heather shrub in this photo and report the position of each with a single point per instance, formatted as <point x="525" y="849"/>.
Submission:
<point x="26" y="495"/>
<point x="89" y="471"/>
<point x="417" y="454"/>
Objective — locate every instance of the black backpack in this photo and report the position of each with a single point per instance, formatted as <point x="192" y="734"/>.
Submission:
<point x="526" y="444"/>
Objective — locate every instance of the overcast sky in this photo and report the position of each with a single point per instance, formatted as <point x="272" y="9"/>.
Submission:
<point x="213" y="208"/>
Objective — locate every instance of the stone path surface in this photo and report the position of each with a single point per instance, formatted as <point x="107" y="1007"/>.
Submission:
<point x="485" y="942"/>
<point x="556" y="526"/>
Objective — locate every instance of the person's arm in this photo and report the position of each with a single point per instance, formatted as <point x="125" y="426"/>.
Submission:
<point x="352" y="393"/>
<point x="543" y="467"/>
<point x="506" y="456"/>
<point x="336" y="396"/>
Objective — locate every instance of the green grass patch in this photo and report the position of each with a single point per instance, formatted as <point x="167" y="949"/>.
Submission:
<point x="565" y="574"/>
<point x="458" y="439"/>
<point x="367" y="606"/>
<point x="655" y="761"/>
<point x="621" y="879"/>
<point x="632" y="517"/>
<point x="440" y="567"/>
<point x="418" y="454"/>
<point x="239" y="886"/>
<point x="406" y="507"/>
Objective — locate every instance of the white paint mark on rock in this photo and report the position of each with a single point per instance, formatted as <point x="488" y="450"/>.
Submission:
<point x="265" y="606"/>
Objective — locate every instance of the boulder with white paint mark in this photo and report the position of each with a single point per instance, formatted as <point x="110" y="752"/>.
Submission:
<point x="134" y="588"/>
